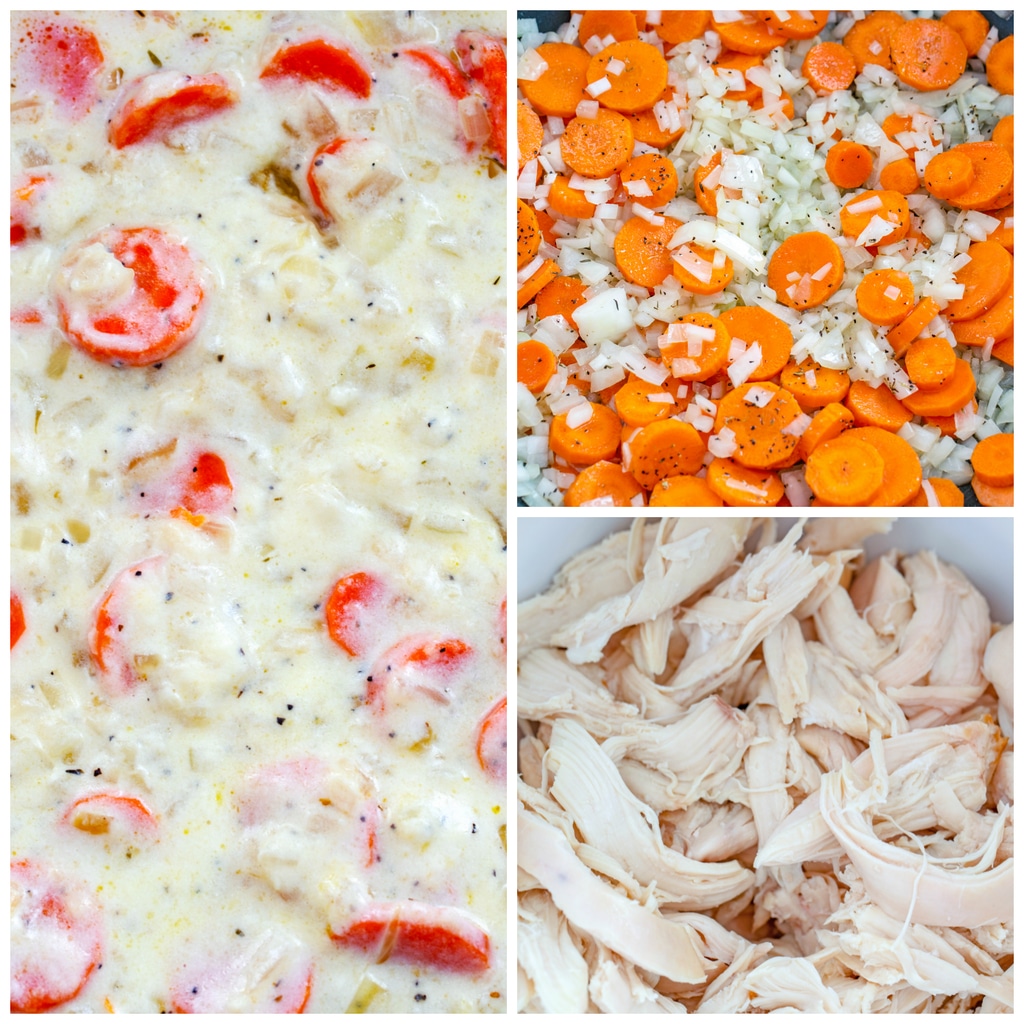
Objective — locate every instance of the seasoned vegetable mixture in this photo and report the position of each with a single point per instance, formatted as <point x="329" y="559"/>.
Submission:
<point x="258" y="569"/>
<point x="765" y="258"/>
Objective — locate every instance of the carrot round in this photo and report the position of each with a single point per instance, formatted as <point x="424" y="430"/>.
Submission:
<point x="885" y="297"/>
<point x="692" y="354"/>
<point x="814" y="386"/>
<point x="806" y="270"/>
<point x="529" y="133"/>
<point x="970" y="26"/>
<point x="945" y="492"/>
<point x="899" y="176"/>
<point x="876" y="406"/>
<point x="527" y="234"/>
<point x="845" y="471"/>
<point x="647" y="130"/>
<point x="597" y="147"/>
<point x="857" y="213"/>
<point x="927" y="55"/>
<point x="992" y="460"/>
<point x="561" y="297"/>
<point x="641" y="251"/>
<point x="596" y="440"/>
<point x="868" y="40"/>
<point x="699" y="275"/>
<point x="985" y="279"/>
<point x="949" y="397"/>
<point x="659" y="174"/>
<point x="683" y="491"/>
<point x="947" y="424"/>
<point x="559" y="88"/>
<point x="664" y="448"/>
<point x="911" y="326"/>
<point x="829" y="67"/>
<point x="1003" y="233"/>
<point x="848" y="164"/>
<point x="948" y="174"/>
<point x="992" y="497"/>
<point x="995" y="323"/>
<point x="902" y="476"/>
<point x="634" y="406"/>
<point x="569" y="202"/>
<point x="1002" y="134"/>
<point x="603" y="483"/>
<point x="796" y="24"/>
<point x="758" y="415"/>
<point x="999" y="66"/>
<point x="930" y="362"/>
<point x="529" y="288"/>
<point x="992" y="186"/>
<point x="641" y="81"/>
<point x="620" y="24"/>
<point x="1003" y="350"/>
<point x="748" y="34"/>
<point x="678" y="27"/>
<point x="739" y="486"/>
<point x="741" y="62"/>
<point x="707" y="198"/>
<point x="751" y="324"/>
<point x="535" y="363"/>
<point x="827" y="423"/>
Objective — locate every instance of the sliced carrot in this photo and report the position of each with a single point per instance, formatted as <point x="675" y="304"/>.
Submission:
<point x="647" y="130"/>
<point x="814" y="386"/>
<point x="845" y="471"/>
<point x="1002" y="134"/>
<point x="664" y="448"/>
<point x="535" y="365"/>
<point x="642" y="253"/>
<point x="1003" y="234"/>
<point x="620" y="24"/>
<point x="17" y="619"/>
<point x="869" y="39"/>
<point x="927" y="55"/>
<point x="948" y="174"/>
<point x="944" y="492"/>
<point x="603" y="483"/>
<point x="639" y="83"/>
<point x="947" y="424"/>
<point x="597" y="147"/>
<point x="759" y="415"/>
<point x="930" y="362"/>
<point x="970" y="26"/>
<point x="992" y="186"/>
<point x="992" y="460"/>
<point x="557" y="91"/>
<point x="561" y="297"/>
<point x="546" y="222"/>
<point x="699" y="273"/>
<point x="985" y="279"/>
<point x="885" y="297"/>
<point x="683" y="491"/>
<point x="999" y="66"/>
<point x="992" y="497"/>
<point x="707" y="197"/>
<point x="528" y="234"/>
<point x="862" y="209"/>
<point x="696" y="347"/>
<point x="567" y="201"/>
<point x="995" y="323"/>
<point x="529" y="133"/>
<point x="326" y="64"/>
<point x="741" y="62"/>
<point x="747" y="34"/>
<point x="876" y="406"/>
<point x="1003" y="350"/>
<point x="949" y="397"/>
<point x="796" y="24"/>
<point x="492" y="742"/>
<point x="899" y="124"/>
<point x="848" y="164"/>
<point x="678" y="27"/>
<point x="352" y="608"/>
<point x="806" y="270"/>
<point x="829" y="67"/>
<point x="902" y="476"/>
<point x="739" y="486"/>
<point x="596" y="440"/>
<point x="786" y="105"/>
<point x="899" y="176"/>
<point x="827" y="423"/>
<point x="752" y="324"/>
<point x="529" y="288"/>
<point x="634" y="406"/>
<point x="912" y="325"/>
<point x="659" y="175"/>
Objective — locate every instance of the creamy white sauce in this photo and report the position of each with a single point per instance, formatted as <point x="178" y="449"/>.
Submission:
<point x="349" y="372"/>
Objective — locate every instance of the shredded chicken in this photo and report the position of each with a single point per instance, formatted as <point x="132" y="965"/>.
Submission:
<point x="764" y="774"/>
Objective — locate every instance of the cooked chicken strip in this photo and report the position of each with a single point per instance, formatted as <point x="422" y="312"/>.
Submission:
<point x="883" y="597"/>
<point x="824" y="535"/>
<point x="615" y="987"/>
<point x="687" y="555"/>
<point x="637" y="933"/>
<point x="710" y="832"/>
<point x="841" y="628"/>
<point x="785" y="658"/>
<point x="997" y="666"/>
<point x="548" y="956"/>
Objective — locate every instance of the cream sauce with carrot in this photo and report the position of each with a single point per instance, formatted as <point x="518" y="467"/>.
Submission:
<point x="258" y="513"/>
